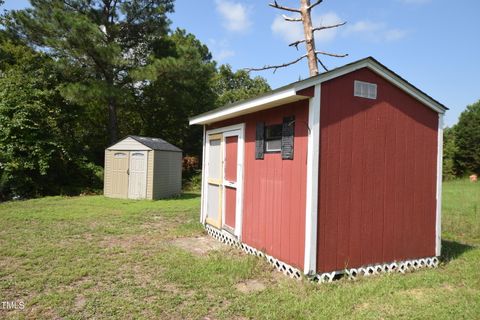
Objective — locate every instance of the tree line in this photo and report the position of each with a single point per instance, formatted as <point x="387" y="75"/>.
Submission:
<point x="77" y="75"/>
<point x="461" y="145"/>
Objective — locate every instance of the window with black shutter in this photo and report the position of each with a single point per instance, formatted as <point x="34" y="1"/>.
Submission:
<point x="277" y="138"/>
<point x="273" y="138"/>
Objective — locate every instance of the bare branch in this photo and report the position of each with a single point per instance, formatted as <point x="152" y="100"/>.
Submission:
<point x="287" y="18"/>
<point x="332" y="54"/>
<point x="315" y="4"/>
<point x="277" y="6"/>
<point x="322" y="64"/>
<point x="329" y="27"/>
<point x="277" y="66"/>
<point x="296" y="43"/>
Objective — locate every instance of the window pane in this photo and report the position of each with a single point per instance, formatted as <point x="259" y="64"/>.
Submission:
<point x="274" y="132"/>
<point x="274" y="145"/>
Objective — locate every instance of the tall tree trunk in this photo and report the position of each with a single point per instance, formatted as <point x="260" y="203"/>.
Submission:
<point x="309" y="41"/>
<point x="112" y="120"/>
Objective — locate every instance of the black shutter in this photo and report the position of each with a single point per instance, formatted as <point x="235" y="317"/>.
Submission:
<point x="260" y="140"/>
<point x="288" y="130"/>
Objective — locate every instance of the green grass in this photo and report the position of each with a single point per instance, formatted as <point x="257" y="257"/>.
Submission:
<point x="86" y="257"/>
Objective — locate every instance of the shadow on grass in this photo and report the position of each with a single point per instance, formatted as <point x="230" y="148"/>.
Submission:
<point x="452" y="250"/>
<point x="186" y="196"/>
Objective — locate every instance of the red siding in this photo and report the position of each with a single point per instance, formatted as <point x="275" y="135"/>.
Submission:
<point x="231" y="151"/>
<point x="377" y="175"/>
<point x="274" y="189"/>
<point x="230" y="206"/>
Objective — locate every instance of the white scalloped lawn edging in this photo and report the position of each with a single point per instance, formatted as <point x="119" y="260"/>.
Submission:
<point x="232" y="241"/>
<point x="352" y="273"/>
<point x="371" y="270"/>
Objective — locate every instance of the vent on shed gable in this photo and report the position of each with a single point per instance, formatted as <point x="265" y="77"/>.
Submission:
<point x="365" y="90"/>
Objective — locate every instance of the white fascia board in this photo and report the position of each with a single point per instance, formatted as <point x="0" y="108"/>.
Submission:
<point x="381" y="71"/>
<point x="275" y="99"/>
<point x="311" y="208"/>
<point x="406" y="87"/>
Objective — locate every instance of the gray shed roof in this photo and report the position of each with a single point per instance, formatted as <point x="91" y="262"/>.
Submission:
<point x="156" y="143"/>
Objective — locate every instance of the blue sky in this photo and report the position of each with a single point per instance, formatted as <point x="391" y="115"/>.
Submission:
<point x="434" y="44"/>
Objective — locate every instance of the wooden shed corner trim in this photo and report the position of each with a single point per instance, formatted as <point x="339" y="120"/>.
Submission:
<point x="438" y="228"/>
<point x="311" y="209"/>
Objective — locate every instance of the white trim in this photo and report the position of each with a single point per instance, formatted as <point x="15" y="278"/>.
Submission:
<point x="240" y="126"/>
<point x="265" y="102"/>
<point x="406" y="87"/>
<point x="438" y="229"/>
<point x="233" y="130"/>
<point x="240" y="184"/>
<point x="129" y="144"/>
<point x="289" y="93"/>
<point x="311" y="209"/>
<point x="202" y="190"/>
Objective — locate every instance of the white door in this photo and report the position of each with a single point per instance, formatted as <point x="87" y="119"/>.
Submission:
<point x="137" y="182"/>
<point x="214" y="180"/>
<point x="223" y="179"/>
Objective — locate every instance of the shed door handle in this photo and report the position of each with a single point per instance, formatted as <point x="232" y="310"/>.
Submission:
<point x="128" y="171"/>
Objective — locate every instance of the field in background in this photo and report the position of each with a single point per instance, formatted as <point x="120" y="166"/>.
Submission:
<point x="86" y="257"/>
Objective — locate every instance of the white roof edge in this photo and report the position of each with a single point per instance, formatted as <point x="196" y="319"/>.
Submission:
<point x="291" y="91"/>
<point x="407" y="87"/>
<point x="246" y="107"/>
<point x="383" y="72"/>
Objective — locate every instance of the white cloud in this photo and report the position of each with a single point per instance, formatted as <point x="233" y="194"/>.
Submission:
<point x="374" y="31"/>
<point x="220" y="49"/>
<point x="293" y="31"/>
<point x="234" y="15"/>
<point x="364" y="26"/>
<point x="223" y="54"/>
<point x="395" y="34"/>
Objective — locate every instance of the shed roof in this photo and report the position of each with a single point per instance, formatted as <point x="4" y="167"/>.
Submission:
<point x="148" y="142"/>
<point x="156" y="143"/>
<point x="294" y="92"/>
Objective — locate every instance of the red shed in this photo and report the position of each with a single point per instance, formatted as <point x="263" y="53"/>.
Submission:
<point x="338" y="173"/>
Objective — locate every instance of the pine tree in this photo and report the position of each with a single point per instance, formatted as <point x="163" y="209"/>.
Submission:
<point x="97" y="43"/>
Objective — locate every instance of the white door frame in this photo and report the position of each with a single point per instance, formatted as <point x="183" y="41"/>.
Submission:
<point x="238" y="129"/>
<point x="145" y="157"/>
<point x="238" y="203"/>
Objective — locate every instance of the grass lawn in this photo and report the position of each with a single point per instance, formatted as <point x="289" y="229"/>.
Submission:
<point x="92" y="257"/>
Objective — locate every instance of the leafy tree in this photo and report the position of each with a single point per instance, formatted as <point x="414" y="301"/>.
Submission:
<point x="234" y="86"/>
<point x="467" y="140"/>
<point x="37" y="153"/>
<point x="450" y="149"/>
<point x="98" y="43"/>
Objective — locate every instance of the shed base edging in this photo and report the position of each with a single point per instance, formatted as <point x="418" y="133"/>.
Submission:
<point x="227" y="238"/>
<point x="375" y="269"/>
<point x="352" y="273"/>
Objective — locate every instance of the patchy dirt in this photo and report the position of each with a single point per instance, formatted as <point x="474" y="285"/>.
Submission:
<point x="417" y="293"/>
<point x="80" y="302"/>
<point x="125" y="242"/>
<point x="199" y="245"/>
<point x="250" y="286"/>
<point x="362" y="306"/>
